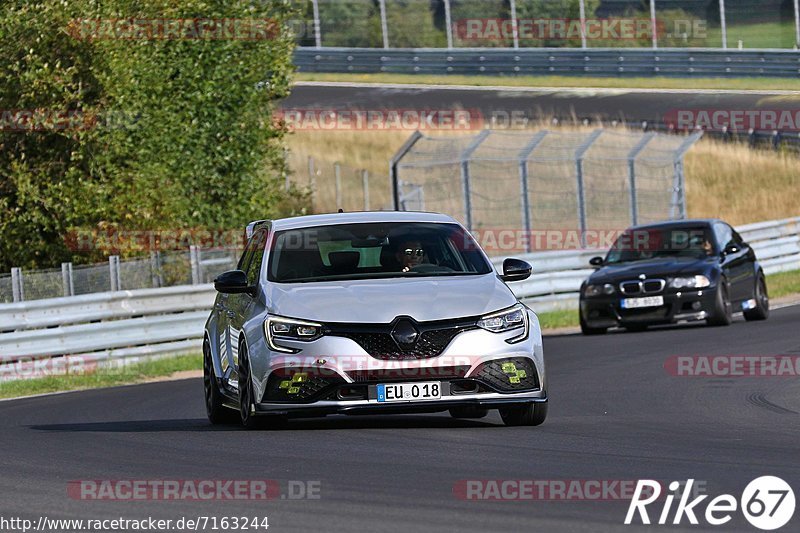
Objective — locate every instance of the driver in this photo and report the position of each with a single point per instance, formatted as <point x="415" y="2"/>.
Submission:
<point x="410" y="254"/>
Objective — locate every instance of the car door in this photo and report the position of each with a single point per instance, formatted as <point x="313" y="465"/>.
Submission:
<point x="735" y="264"/>
<point x="239" y="307"/>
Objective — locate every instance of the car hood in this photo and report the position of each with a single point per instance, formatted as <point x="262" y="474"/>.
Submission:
<point x="381" y="301"/>
<point x="661" y="267"/>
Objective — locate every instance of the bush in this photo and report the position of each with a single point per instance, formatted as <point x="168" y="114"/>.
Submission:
<point x="184" y="135"/>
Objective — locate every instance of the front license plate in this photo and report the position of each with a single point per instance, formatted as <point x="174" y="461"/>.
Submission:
<point x="408" y="392"/>
<point x="637" y="303"/>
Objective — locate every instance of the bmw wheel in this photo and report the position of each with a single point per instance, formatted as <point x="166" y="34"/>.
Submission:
<point x="723" y="310"/>
<point x="761" y="310"/>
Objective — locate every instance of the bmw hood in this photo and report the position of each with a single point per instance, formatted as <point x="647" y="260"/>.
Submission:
<point x="662" y="267"/>
<point x="381" y="300"/>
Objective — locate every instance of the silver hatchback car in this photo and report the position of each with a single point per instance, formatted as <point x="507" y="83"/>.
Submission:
<point x="364" y="313"/>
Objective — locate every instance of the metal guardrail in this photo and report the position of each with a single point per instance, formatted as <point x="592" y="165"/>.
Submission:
<point x="619" y="62"/>
<point x="113" y="328"/>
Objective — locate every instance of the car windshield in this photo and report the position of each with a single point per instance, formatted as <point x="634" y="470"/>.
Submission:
<point x="642" y="244"/>
<point x="374" y="250"/>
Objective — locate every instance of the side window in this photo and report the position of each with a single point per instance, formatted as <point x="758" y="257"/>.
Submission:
<point x="723" y="234"/>
<point x="247" y="255"/>
<point x="254" y="267"/>
<point x="737" y="238"/>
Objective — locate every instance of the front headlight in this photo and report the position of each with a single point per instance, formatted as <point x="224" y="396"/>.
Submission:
<point x="277" y="328"/>
<point x="689" y="282"/>
<point x="598" y="290"/>
<point x="515" y="317"/>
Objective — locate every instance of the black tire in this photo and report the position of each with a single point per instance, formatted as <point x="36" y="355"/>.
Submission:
<point x="586" y="330"/>
<point x="761" y="310"/>
<point x="723" y="310"/>
<point x="529" y="414"/>
<point x="637" y="328"/>
<point x="215" y="410"/>
<point x="468" y="412"/>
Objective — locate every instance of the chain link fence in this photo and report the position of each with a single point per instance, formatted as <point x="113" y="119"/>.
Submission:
<point x="160" y="269"/>
<point x="758" y="24"/>
<point x="544" y="180"/>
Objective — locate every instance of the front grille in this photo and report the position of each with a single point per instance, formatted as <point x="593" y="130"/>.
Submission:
<point x="389" y="375"/>
<point x="377" y="339"/>
<point x="287" y="385"/>
<point x="649" y="286"/>
<point x="508" y="375"/>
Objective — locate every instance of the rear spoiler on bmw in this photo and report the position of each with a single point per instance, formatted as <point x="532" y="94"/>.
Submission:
<point x="251" y="227"/>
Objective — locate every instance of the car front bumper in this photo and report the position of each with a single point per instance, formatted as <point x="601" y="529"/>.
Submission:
<point x="607" y="311"/>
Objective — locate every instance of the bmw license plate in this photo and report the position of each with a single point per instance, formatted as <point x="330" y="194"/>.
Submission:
<point x="409" y="392"/>
<point x="638" y="303"/>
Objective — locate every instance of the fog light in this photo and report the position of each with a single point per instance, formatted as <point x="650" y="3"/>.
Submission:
<point x="697" y="306"/>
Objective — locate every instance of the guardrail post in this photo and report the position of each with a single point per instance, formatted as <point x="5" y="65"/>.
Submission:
<point x="365" y="184"/>
<point x="17" y="286"/>
<point x="113" y="271"/>
<point x="634" y="153"/>
<point x="465" y="179"/>
<point x="194" y="260"/>
<point x="579" y="154"/>
<point x="66" y="279"/>
<point x="523" y="178"/>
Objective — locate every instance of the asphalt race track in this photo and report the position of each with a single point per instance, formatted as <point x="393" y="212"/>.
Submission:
<point x="615" y="414"/>
<point x="608" y="104"/>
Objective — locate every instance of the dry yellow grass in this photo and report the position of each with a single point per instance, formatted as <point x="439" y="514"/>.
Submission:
<point x="729" y="181"/>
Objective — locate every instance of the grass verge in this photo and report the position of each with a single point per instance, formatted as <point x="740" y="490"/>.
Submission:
<point x="782" y="284"/>
<point x="762" y="84"/>
<point x="129" y="374"/>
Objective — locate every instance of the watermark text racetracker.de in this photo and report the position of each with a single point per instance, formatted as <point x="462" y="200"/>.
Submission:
<point x="45" y="524"/>
<point x="130" y="490"/>
<point x="551" y="490"/>
<point x="733" y="366"/>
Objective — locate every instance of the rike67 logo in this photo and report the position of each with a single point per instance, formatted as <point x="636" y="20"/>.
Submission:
<point x="767" y="503"/>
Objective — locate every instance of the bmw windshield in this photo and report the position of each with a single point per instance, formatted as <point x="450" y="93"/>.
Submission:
<point x="657" y="243"/>
<point x="372" y="251"/>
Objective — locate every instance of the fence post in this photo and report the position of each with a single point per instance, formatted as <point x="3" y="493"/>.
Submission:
<point x="66" y="279"/>
<point x="113" y="271"/>
<point x="365" y="184"/>
<point x="393" y="177"/>
<point x="384" y="26"/>
<point x="796" y="23"/>
<point x="582" y="9"/>
<point x="317" y="30"/>
<point x="653" y="26"/>
<point x="579" y="154"/>
<point x="448" y="21"/>
<point x="465" y="179"/>
<point x="678" y="206"/>
<point x="723" y="24"/>
<point x="17" y="286"/>
<point x="312" y="181"/>
<point x="194" y="260"/>
<point x="634" y="153"/>
<point x="515" y="22"/>
<point x="523" y="178"/>
<point x="155" y="269"/>
<point x="337" y="172"/>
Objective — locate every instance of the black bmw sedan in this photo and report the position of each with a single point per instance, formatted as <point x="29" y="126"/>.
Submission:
<point x="672" y="272"/>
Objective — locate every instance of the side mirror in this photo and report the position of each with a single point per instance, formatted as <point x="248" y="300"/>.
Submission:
<point x="232" y="282"/>
<point x="596" y="261"/>
<point x="731" y="249"/>
<point x="515" y="270"/>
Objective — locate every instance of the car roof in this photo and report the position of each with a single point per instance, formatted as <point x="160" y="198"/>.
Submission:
<point x="692" y="222"/>
<point x="359" y="217"/>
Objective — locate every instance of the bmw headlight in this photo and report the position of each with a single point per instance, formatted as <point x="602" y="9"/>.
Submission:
<point x="509" y="319"/>
<point x="689" y="282"/>
<point x="598" y="290"/>
<point x="277" y="328"/>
